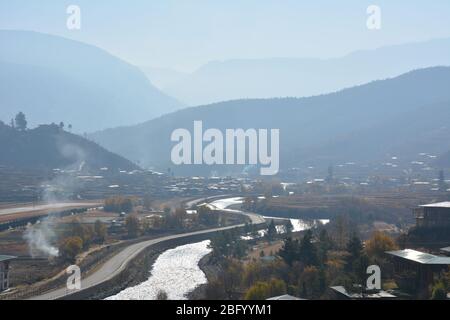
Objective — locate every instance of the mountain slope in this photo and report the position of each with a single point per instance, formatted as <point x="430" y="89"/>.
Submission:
<point x="296" y="77"/>
<point x="315" y="128"/>
<point x="53" y="79"/>
<point x="423" y="130"/>
<point x="48" y="147"/>
<point x="162" y="77"/>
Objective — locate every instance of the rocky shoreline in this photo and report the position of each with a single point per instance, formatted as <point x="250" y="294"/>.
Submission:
<point x="211" y="271"/>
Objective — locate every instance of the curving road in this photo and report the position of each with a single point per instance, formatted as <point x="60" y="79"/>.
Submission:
<point x="117" y="263"/>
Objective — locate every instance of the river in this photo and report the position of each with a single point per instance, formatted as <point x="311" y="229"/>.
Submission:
<point x="297" y="224"/>
<point x="176" y="272"/>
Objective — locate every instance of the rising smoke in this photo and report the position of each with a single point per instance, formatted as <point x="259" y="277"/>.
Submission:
<point x="39" y="238"/>
<point x="60" y="189"/>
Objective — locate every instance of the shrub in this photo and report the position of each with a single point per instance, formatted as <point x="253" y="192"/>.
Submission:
<point x="71" y="247"/>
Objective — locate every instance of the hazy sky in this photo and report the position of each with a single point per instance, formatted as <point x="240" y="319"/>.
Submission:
<point x="184" y="34"/>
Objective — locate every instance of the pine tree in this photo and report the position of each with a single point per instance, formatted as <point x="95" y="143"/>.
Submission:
<point x="21" y="121"/>
<point x="289" y="251"/>
<point x="271" y="231"/>
<point x="357" y="260"/>
<point x="289" y="227"/>
<point x="354" y="248"/>
<point x="307" y="250"/>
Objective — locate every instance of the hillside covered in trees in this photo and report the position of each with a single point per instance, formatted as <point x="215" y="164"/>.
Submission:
<point x="402" y="117"/>
<point x="50" y="147"/>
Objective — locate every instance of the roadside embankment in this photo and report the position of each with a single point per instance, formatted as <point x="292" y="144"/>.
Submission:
<point x="137" y="271"/>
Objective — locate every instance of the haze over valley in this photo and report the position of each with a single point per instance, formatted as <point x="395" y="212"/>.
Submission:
<point x="402" y="116"/>
<point x="54" y="79"/>
<point x="224" y="150"/>
<point x="300" y="77"/>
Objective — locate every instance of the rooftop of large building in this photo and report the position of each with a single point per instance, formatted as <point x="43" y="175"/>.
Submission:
<point x="6" y="258"/>
<point x="285" y="297"/>
<point x="446" y="250"/>
<point x="445" y="204"/>
<point x="420" y="257"/>
<point x="381" y="294"/>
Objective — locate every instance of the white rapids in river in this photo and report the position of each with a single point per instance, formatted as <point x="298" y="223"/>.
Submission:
<point x="175" y="272"/>
<point x="297" y="224"/>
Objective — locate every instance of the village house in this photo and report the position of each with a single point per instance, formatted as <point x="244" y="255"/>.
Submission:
<point x="433" y="215"/>
<point x="4" y="271"/>
<point x="423" y="265"/>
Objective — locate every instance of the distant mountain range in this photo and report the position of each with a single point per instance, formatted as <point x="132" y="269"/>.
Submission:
<point x="402" y="116"/>
<point x="297" y="77"/>
<point x="163" y="77"/>
<point x="48" y="147"/>
<point x="53" y="79"/>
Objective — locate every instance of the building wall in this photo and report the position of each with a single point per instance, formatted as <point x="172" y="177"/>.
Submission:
<point x="4" y="276"/>
<point x="432" y="217"/>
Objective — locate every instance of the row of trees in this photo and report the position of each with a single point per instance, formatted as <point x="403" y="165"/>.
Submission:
<point x="177" y="219"/>
<point x="19" y="122"/>
<point x="78" y="236"/>
<point x="228" y="244"/>
<point x="119" y="204"/>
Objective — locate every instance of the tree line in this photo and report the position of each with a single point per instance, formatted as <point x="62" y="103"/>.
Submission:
<point x="20" y="123"/>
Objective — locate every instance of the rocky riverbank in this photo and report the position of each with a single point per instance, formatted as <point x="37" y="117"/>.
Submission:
<point x="211" y="271"/>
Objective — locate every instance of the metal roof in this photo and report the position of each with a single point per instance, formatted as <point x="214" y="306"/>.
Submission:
<point x="419" y="257"/>
<point x="285" y="297"/>
<point x="446" y="249"/>
<point x="6" y="258"/>
<point x="377" y="295"/>
<point x="445" y="204"/>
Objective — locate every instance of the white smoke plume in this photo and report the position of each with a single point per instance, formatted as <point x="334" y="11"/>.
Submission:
<point x="39" y="238"/>
<point x="59" y="189"/>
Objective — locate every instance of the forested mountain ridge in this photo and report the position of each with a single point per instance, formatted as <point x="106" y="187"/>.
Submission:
<point x="410" y="111"/>
<point x="50" y="147"/>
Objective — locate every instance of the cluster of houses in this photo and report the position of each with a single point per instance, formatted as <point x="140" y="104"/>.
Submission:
<point x="206" y="186"/>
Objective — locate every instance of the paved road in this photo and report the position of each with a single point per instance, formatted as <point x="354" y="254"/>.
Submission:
<point x="54" y="206"/>
<point x="223" y="204"/>
<point x="117" y="263"/>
